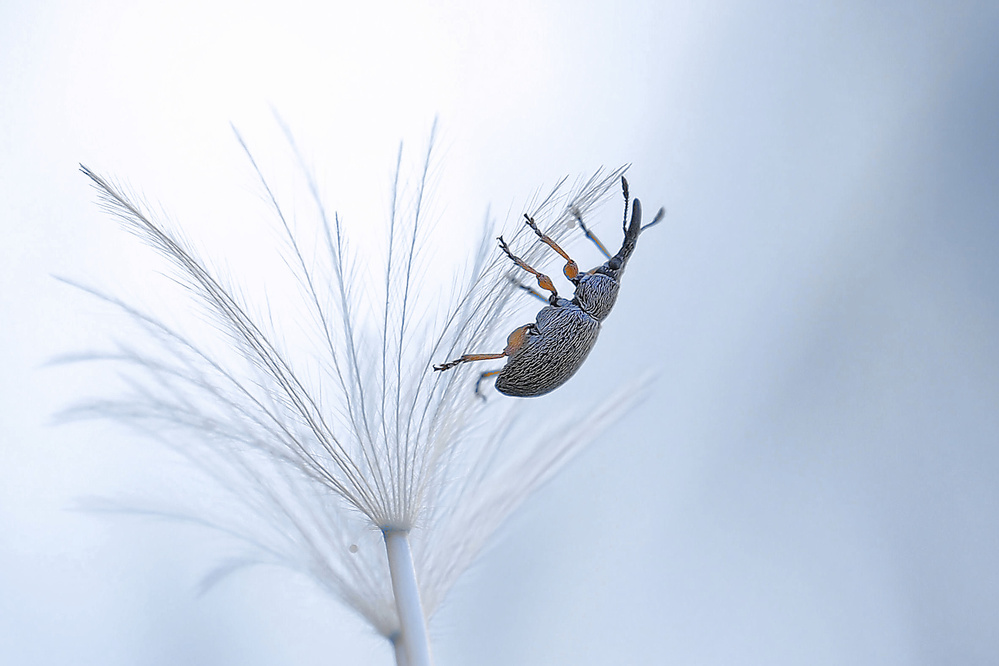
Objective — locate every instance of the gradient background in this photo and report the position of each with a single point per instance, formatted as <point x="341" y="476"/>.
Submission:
<point x="814" y="480"/>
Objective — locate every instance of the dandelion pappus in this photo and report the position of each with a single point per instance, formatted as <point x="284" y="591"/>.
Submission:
<point x="543" y="355"/>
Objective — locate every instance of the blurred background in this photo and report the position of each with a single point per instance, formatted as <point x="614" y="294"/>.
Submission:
<point x="814" y="479"/>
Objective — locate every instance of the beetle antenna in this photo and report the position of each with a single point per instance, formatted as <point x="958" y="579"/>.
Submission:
<point x="589" y="234"/>
<point x="656" y="220"/>
<point x="624" y="188"/>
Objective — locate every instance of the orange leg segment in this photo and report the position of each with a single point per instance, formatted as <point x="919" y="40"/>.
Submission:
<point x="529" y="290"/>
<point x="513" y="343"/>
<point x="544" y="281"/>
<point x="516" y="339"/>
<point x="465" y="359"/>
<point x="571" y="270"/>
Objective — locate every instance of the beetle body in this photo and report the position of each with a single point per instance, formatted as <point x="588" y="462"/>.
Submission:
<point x="544" y="355"/>
<point x="551" y="352"/>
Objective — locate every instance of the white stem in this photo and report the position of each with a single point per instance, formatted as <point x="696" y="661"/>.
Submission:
<point x="399" y="646"/>
<point x="407" y="598"/>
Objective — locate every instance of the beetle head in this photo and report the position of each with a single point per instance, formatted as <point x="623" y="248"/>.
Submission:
<point x="614" y="267"/>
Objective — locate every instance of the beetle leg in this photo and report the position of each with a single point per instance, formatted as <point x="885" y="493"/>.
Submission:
<point x="516" y="339"/>
<point x="544" y="281"/>
<point x="484" y="375"/>
<point x="589" y="234"/>
<point x="465" y="359"/>
<point x="529" y="290"/>
<point x="571" y="270"/>
<point x="513" y="343"/>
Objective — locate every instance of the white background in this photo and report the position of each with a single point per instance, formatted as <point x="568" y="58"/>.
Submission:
<point x="815" y="477"/>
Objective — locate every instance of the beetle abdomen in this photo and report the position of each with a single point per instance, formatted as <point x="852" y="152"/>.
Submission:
<point x="550" y="355"/>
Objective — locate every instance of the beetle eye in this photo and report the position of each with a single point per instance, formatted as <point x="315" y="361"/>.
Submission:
<point x="613" y="263"/>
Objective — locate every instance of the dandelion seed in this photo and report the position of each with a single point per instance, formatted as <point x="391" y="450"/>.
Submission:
<point x="327" y="451"/>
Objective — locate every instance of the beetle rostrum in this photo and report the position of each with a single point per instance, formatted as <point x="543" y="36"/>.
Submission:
<point x="543" y="355"/>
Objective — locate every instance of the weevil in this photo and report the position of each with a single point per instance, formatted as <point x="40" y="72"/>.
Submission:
<point x="543" y="355"/>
